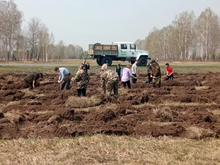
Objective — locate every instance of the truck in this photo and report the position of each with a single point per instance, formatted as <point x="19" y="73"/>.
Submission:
<point x="118" y="51"/>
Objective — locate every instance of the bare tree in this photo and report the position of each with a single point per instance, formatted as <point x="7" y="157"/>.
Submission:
<point x="70" y="51"/>
<point x="159" y="44"/>
<point x="141" y="44"/>
<point x="21" y="47"/>
<point x="208" y="33"/>
<point x="10" y="26"/>
<point x="78" y="49"/>
<point x="152" y="43"/>
<point x="43" y="43"/>
<point x="51" y="47"/>
<point x="60" y="50"/>
<point x="184" y="33"/>
<point x="1" y="47"/>
<point x="33" y="36"/>
<point x="33" y="42"/>
<point x="187" y="38"/>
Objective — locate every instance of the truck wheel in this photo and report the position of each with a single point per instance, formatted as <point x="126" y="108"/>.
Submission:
<point x="98" y="62"/>
<point x="142" y="61"/>
<point x="106" y="59"/>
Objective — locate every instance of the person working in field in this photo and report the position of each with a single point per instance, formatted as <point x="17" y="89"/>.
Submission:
<point x="169" y="72"/>
<point x="64" y="77"/>
<point x="134" y="71"/>
<point x="111" y="81"/>
<point x="82" y="80"/>
<point x="149" y="68"/>
<point x="31" y="80"/>
<point x="126" y="74"/>
<point x="105" y="66"/>
<point x="85" y="65"/>
<point x="156" y="74"/>
<point x="118" y="70"/>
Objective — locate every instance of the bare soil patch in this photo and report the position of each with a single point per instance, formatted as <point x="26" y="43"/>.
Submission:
<point x="187" y="107"/>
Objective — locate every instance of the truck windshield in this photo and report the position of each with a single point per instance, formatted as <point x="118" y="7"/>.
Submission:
<point x="132" y="46"/>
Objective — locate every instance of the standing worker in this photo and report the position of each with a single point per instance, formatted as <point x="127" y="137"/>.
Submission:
<point x="103" y="83"/>
<point x="126" y="74"/>
<point x="156" y="74"/>
<point x="134" y="71"/>
<point x="85" y="64"/>
<point x="118" y="70"/>
<point x="82" y="79"/>
<point x="169" y="72"/>
<point x="149" y="68"/>
<point x="111" y="80"/>
<point x="64" y="77"/>
<point x="31" y="80"/>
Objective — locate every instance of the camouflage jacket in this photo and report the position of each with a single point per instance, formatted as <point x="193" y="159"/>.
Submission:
<point x="82" y="79"/>
<point x="108" y="75"/>
<point x="155" y="70"/>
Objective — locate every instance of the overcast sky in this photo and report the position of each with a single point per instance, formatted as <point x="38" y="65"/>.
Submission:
<point x="81" y="22"/>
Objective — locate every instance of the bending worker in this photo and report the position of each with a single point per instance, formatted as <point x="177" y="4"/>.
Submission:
<point x="111" y="81"/>
<point x="169" y="72"/>
<point x="64" y="77"/>
<point x="31" y="80"/>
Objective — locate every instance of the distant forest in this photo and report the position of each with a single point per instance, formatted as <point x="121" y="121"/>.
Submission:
<point x="34" y="42"/>
<point x="186" y="38"/>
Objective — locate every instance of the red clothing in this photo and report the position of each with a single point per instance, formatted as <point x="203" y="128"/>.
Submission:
<point x="169" y="70"/>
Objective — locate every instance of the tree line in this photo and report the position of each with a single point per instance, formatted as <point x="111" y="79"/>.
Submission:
<point x="186" y="38"/>
<point x="33" y="42"/>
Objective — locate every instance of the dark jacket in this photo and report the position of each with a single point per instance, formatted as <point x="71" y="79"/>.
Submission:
<point x="31" y="77"/>
<point x="86" y="66"/>
<point x="118" y="70"/>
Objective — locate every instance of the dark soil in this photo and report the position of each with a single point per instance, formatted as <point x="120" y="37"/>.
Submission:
<point x="188" y="106"/>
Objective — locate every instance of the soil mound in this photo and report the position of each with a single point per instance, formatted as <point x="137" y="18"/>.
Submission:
<point x="187" y="107"/>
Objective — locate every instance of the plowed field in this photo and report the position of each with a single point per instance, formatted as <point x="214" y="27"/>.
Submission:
<point x="188" y="106"/>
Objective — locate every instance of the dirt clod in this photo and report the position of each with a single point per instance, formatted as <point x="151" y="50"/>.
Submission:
<point x="186" y="107"/>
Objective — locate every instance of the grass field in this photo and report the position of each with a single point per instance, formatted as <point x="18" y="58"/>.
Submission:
<point x="111" y="150"/>
<point x="72" y="65"/>
<point x="104" y="149"/>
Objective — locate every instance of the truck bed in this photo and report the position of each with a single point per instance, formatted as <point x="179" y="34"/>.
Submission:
<point x="98" y="49"/>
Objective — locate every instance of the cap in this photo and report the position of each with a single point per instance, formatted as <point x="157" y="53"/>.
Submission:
<point x="152" y="61"/>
